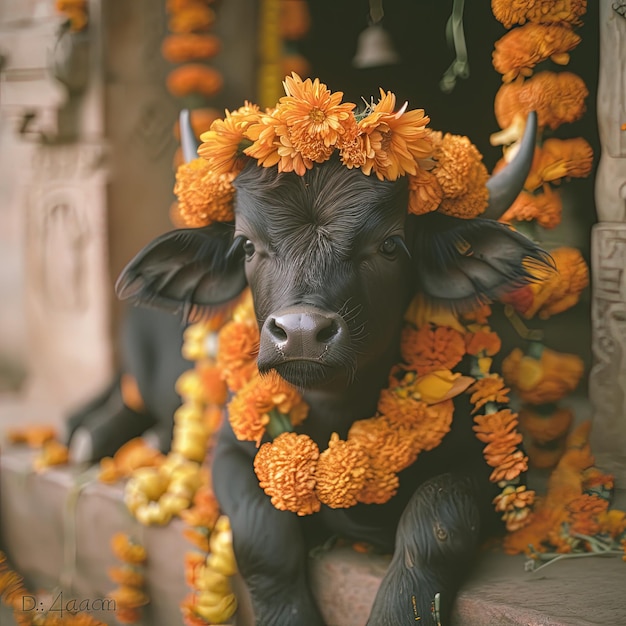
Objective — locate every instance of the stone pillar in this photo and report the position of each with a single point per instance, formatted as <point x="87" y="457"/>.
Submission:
<point x="607" y="382"/>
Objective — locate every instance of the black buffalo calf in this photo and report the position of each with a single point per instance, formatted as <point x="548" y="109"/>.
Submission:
<point x="332" y="260"/>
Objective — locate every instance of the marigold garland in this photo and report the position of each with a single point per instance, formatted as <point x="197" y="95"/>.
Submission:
<point x="309" y="124"/>
<point x="414" y="413"/>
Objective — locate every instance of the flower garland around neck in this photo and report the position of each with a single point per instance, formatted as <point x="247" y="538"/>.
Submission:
<point x="307" y="126"/>
<point x="414" y="414"/>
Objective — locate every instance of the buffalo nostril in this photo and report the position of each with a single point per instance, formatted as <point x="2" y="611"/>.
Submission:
<point x="276" y="330"/>
<point x="329" y="332"/>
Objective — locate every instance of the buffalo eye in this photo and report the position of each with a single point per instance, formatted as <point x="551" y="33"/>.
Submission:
<point x="248" y="248"/>
<point x="390" y="246"/>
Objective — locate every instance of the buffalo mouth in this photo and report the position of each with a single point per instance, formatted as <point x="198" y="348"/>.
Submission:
<point x="304" y="373"/>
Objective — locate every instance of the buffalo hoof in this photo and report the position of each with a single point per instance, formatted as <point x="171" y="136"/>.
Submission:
<point x="436" y="542"/>
<point x="104" y="434"/>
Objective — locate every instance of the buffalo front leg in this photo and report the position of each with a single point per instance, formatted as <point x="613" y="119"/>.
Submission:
<point x="436" y="542"/>
<point x="268" y="544"/>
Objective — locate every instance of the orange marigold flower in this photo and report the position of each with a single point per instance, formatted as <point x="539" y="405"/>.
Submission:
<point x="128" y="597"/>
<point x="425" y="193"/>
<point x="392" y="447"/>
<point x="316" y="117"/>
<point x="482" y="341"/>
<point x="127" y="550"/>
<point x="488" y="389"/>
<point x="558" y="98"/>
<point x="198" y="536"/>
<point x="286" y="472"/>
<point x="511" y="12"/>
<point x="584" y="514"/>
<point x="548" y="379"/>
<point x="510" y="468"/>
<point x="213" y="384"/>
<point x="543" y="428"/>
<point x="191" y="17"/>
<point x="462" y="177"/>
<point x="186" y="47"/>
<point x="478" y="315"/>
<point x="380" y="486"/>
<point x="203" y="197"/>
<point x="555" y="292"/>
<point x="340" y="473"/>
<point x="237" y="352"/>
<point x="194" y="78"/>
<point x="126" y="575"/>
<point x="194" y="562"/>
<point x="224" y="143"/>
<point x="295" y="19"/>
<point x="249" y="410"/>
<point x="35" y="436"/>
<point x="545" y="208"/>
<point x="432" y="348"/>
<point x="521" y="49"/>
<point x="394" y="141"/>
<point x="515" y="505"/>
<point x="558" y="159"/>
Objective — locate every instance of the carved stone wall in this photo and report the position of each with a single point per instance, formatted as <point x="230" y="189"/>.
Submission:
<point x="54" y="307"/>
<point x="607" y="381"/>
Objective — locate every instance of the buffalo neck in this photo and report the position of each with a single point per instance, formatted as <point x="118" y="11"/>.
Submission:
<point x="336" y="407"/>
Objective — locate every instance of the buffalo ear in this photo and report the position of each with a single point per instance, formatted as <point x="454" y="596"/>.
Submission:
<point x="196" y="269"/>
<point x="460" y="263"/>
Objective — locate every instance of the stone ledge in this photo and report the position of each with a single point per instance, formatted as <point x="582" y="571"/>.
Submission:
<point x="36" y="515"/>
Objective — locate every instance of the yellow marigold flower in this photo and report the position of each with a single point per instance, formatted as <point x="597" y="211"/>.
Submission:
<point x="286" y="471"/>
<point x="340" y="473"/>
<point x="237" y="353"/>
<point x="558" y="98"/>
<point x="394" y="141"/>
<point x="440" y="385"/>
<point x="542" y="428"/>
<point x="488" y="389"/>
<point x="203" y="197"/>
<point x="555" y="292"/>
<point x="547" y="379"/>
<point x="52" y="453"/>
<point x="432" y="348"/>
<point x="511" y="12"/>
<point x="315" y="116"/>
<point x="521" y="49"/>
<point x="482" y="341"/>
<point x="462" y="177"/>
<point x="425" y="193"/>
<point x="125" y="549"/>
<point x="612" y="522"/>
<point x="545" y="208"/>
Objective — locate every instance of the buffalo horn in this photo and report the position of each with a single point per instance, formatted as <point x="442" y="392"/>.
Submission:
<point x="188" y="140"/>
<point x="505" y="186"/>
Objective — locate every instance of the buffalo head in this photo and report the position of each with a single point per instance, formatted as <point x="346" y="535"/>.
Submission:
<point x="332" y="260"/>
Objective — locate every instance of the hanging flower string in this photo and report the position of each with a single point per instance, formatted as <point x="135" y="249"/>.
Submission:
<point x="129" y="596"/>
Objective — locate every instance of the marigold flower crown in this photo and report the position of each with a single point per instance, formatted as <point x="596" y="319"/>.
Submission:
<point x="311" y="123"/>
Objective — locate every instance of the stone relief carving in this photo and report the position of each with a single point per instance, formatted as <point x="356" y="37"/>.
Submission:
<point x="608" y="376"/>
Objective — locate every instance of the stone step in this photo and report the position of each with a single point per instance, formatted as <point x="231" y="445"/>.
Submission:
<point x="56" y="527"/>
